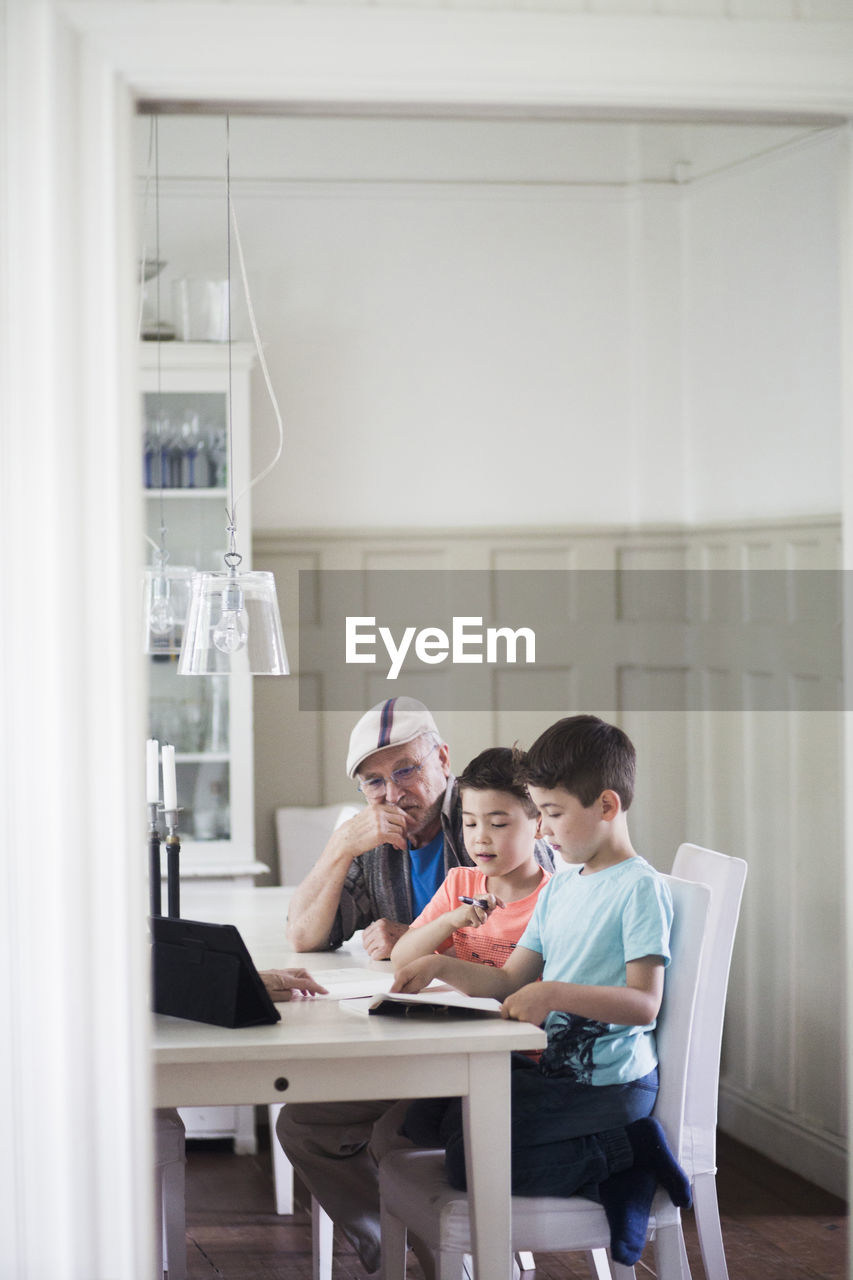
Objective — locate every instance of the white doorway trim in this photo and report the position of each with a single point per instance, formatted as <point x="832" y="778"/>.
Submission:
<point x="72" y="919"/>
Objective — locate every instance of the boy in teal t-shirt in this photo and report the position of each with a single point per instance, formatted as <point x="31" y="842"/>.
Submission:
<point x="589" y="967"/>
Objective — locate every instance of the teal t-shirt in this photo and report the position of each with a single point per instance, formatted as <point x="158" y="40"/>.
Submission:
<point x="427" y="872"/>
<point x="587" y="928"/>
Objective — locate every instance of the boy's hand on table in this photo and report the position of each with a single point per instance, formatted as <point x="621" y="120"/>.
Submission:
<point x="528" y="1004"/>
<point x="379" y="937"/>
<point x="417" y="974"/>
<point x="282" y="984"/>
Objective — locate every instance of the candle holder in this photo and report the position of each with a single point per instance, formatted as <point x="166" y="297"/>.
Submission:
<point x="173" y="864"/>
<point x="154" y="861"/>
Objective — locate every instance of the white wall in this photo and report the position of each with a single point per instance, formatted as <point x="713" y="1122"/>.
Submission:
<point x="762" y="282"/>
<point x="419" y="327"/>
<point x="435" y="295"/>
<point x="446" y="351"/>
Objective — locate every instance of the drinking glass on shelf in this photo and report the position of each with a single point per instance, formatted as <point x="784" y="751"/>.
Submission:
<point x="218" y="459"/>
<point x="195" y="460"/>
<point x="211" y="818"/>
<point x="217" y="720"/>
<point x="193" y="723"/>
<point x="150" y="460"/>
<point x="157" y="464"/>
<point x="223" y="810"/>
<point x="173" y="470"/>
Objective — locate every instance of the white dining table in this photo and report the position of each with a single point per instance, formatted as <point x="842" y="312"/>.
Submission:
<point x="329" y="1049"/>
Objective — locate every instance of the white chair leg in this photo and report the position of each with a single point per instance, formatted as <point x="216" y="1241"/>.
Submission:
<point x="170" y="1231"/>
<point x="322" y="1240"/>
<point x="282" y="1169"/>
<point x="599" y="1265"/>
<point x="685" y="1263"/>
<point x="619" y="1271"/>
<point x="245" y="1137"/>
<point x="159" y="1226"/>
<point x="707" y="1215"/>
<point x="455" y="1266"/>
<point x="393" y="1233"/>
<point x="174" y="1222"/>
<point x="670" y="1257"/>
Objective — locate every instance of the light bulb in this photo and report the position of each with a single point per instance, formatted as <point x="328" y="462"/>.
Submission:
<point x="161" y="619"/>
<point x="232" y="630"/>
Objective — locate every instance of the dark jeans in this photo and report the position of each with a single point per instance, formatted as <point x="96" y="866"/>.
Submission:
<point x="566" y="1137"/>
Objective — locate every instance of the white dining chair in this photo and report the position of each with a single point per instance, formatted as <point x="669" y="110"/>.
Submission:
<point x="726" y="878"/>
<point x="414" y="1192"/>
<point x="170" y="1247"/>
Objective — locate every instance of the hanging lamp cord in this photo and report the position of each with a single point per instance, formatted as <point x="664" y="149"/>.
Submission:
<point x="232" y="558"/>
<point x="164" y="555"/>
<point x="153" y="167"/>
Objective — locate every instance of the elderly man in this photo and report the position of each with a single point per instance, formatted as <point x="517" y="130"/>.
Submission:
<point x="377" y="872"/>
<point x="381" y="868"/>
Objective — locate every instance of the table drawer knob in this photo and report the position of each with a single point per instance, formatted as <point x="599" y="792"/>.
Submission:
<point x="282" y="1083"/>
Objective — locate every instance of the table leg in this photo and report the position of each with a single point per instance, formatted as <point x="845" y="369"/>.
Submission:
<point x="485" y="1115"/>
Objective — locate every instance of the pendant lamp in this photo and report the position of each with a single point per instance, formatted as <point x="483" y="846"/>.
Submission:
<point x="166" y="592"/>
<point x="234" y="624"/>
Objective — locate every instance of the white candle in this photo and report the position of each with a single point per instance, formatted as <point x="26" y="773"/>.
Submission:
<point x="170" y="788"/>
<point x="152" y="771"/>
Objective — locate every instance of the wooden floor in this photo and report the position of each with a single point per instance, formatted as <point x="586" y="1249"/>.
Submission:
<point x="775" y="1225"/>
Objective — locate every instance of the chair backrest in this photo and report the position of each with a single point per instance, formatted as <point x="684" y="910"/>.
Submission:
<point x="302" y="834"/>
<point x="725" y="877"/>
<point x="691" y="909"/>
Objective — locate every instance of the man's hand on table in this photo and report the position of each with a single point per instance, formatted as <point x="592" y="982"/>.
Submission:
<point x="379" y="937"/>
<point x="283" y="984"/>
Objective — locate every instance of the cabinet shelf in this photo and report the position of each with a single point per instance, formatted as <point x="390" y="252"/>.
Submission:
<point x="169" y="495"/>
<point x="202" y="757"/>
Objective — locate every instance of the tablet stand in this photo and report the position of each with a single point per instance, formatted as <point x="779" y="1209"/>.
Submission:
<point x="203" y="971"/>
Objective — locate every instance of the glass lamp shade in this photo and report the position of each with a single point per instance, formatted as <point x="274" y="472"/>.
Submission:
<point x="166" y="594"/>
<point x="233" y="625"/>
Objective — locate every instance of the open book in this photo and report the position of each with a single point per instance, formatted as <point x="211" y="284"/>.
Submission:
<point x="437" y="1001"/>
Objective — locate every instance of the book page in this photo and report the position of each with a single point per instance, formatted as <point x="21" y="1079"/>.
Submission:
<point x="352" y="984"/>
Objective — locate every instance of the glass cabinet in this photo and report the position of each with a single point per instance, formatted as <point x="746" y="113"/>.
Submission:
<point x="184" y="461"/>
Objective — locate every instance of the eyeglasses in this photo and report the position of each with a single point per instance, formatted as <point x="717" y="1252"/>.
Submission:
<point x="400" y="777"/>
